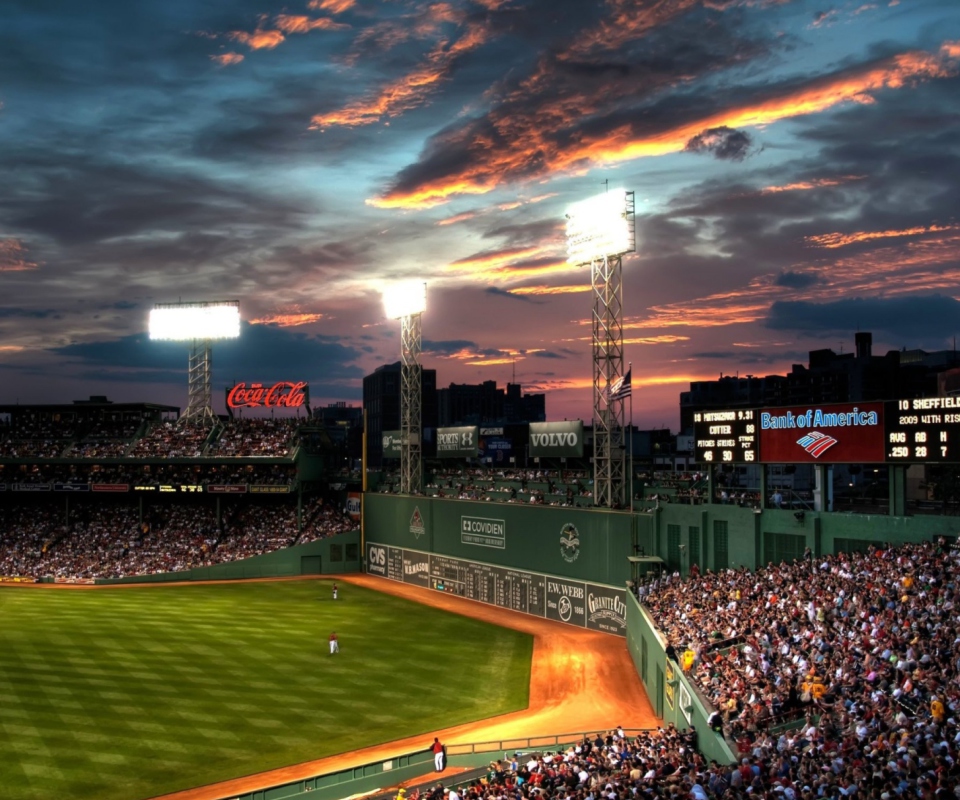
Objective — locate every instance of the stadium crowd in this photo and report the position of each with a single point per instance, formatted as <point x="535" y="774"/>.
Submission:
<point x="172" y="440"/>
<point x="151" y="474"/>
<point x="666" y="765"/>
<point x="863" y="649"/>
<point x="111" y="541"/>
<point x="256" y="437"/>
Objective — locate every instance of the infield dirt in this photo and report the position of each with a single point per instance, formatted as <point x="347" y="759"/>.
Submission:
<point x="579" y="681"/>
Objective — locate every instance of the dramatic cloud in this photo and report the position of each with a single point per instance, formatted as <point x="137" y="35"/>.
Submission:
<point x="227" y="59"/>
<point x="834" y="240"/>
<point x="925" y="318"/>
<point x="13" y="257"/>
<point x="408" y="91"/>
<point x="791" y="183"/>
<point x="724" y="143"/>
<point x="259" y="39"/>
<point x="523" y="138"/>
<point x="277" y="353"/>
<point x="796" y="280"/>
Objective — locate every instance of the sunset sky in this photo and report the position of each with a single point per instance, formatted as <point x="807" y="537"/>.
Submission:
<point x="796" y="167"/>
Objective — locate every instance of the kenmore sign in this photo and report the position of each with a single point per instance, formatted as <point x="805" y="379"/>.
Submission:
<point x="556" y="439"/>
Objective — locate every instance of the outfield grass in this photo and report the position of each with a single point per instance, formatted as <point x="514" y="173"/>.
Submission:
<point x="130" y="693"/>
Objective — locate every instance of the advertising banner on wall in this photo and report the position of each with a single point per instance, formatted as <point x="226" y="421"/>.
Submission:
<point x="835" y="433"/>
<point x="606" y="609"/>
<point x="495" y="447"/>
<point x="566" y="601"/>
<point x="391" y="444"/>
<point x="416" y="568"/>
<point x="459" y="442"/>
<point x="556" y="439"/>
<point x="483" y="531"/>
<point x="227" y="488"/>
<point x="353" y="505"/>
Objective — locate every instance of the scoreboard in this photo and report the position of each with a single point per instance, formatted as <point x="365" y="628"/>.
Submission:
<point x="586" y="605"/>
<point x="917" y="431"/>
<point x="727" y="437"/>
<point x="923" y="430"/>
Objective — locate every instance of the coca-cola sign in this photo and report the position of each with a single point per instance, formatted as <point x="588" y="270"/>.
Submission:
<point x="283" y="394"/>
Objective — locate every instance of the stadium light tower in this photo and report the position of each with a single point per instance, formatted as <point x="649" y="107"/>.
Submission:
<point x="200" y="324"/>
<point x="407" y="302"/>
<point x="599" y="232"/>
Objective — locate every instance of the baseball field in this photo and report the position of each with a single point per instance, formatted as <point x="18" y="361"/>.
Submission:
<point x="135" y="692"/>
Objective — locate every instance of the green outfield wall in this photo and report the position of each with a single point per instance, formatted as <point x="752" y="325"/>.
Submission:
<point x="335" y="554"/>
<point x="672" y="695"/>
<point x="585" y="545"/>
<point x="720" y="536"/>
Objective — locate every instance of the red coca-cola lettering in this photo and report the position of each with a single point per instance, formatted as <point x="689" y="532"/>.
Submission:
<point x="283" y="394"/>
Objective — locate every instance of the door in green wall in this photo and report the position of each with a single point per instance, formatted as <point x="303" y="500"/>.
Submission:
<point x="310" y="565"/>
<point x="658" y="693"/>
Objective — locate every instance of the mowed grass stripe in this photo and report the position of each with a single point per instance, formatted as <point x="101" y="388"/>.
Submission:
<point x="133" y="693"/>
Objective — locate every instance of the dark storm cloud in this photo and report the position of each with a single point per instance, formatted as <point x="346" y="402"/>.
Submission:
<point x="796" y="280"/>
<point x="493" y="290"/>
<point x="271" y="352"/>
<point x="536" y="231"/>
<point x="546" y="354"/>
<point x="447" y="347"/>
<point x="76" y="199"/>
<point x="90" y="47"/>
<point x="724" y="143"/>
<point x="914" y="320"/>
<point x="8" y="312"/>
<point x="741" y="356"/>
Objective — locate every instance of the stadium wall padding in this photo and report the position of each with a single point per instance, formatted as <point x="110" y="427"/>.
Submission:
<point x="531" y="539"/>
<point x="670" y="693"/>
<point x="297" y="560"/>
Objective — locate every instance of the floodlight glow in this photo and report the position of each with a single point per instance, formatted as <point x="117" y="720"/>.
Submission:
<point x="405" y="299"/>
<point x="599" y="228"/>
<point x="185" y="321"/>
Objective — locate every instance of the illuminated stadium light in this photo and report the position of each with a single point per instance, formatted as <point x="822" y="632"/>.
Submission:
<point x="181" y="322"/>
<point x="601" y="227"/>
<point x="599" y="231"/>
<point x="199" y="324"/>
<point x="405" y="299"/>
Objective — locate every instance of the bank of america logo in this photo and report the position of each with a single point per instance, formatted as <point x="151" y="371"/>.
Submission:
<point x="816" y="443"/>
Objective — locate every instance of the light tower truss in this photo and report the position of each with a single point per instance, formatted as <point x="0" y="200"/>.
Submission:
<point x="609" y="453"/>
<point x="599" y="232"/>
<point x="411" y="406"/>
<point x="199" y="390"/>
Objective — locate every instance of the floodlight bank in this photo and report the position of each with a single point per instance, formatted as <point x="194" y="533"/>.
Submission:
<point x="599" y="228"/>
<point x="195" y="321"/>
<point x="405" y="299"/>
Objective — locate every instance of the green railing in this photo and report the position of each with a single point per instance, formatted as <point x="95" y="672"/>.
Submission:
<point x="366" y="778"/>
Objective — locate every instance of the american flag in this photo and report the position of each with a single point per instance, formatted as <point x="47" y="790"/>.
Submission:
<point x="621" y="388"/>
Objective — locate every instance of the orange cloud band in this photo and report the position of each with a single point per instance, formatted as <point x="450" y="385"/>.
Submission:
<point x="13" y="257"/>
<point x="533" y="137"/>
<point x="834" y="240"/>
<point x="407" y="92"/>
